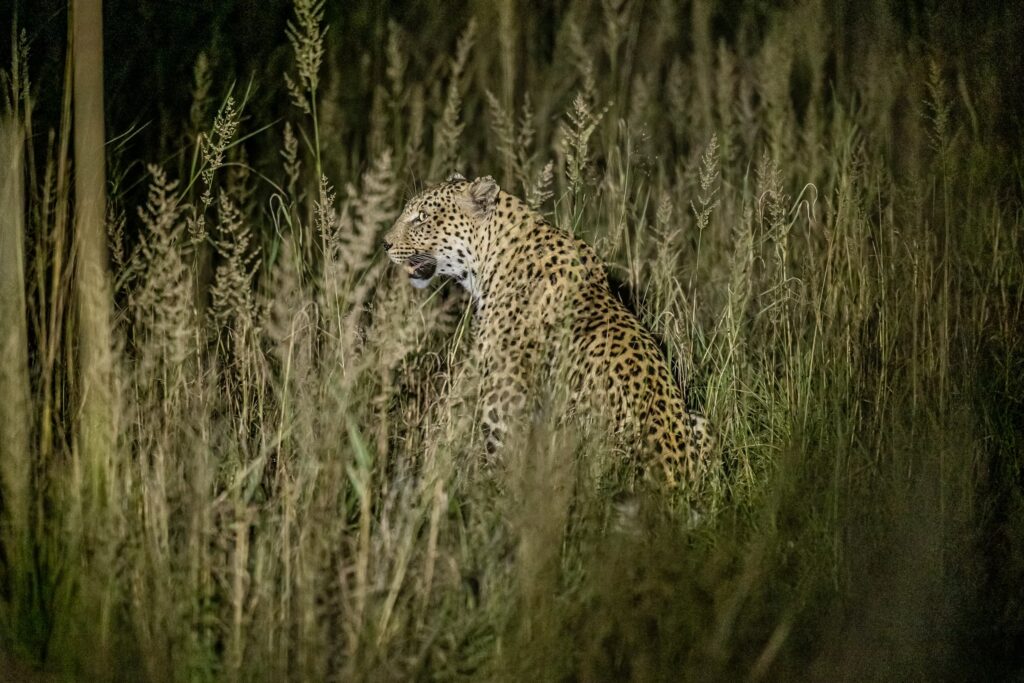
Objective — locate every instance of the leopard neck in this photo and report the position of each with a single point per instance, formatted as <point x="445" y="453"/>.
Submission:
<point x="498" y="236"/>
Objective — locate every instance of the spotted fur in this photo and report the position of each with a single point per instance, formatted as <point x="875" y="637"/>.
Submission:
<point x="529" y="280"/>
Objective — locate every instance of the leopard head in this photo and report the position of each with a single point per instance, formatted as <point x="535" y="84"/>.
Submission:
<point x="439" y="230"/>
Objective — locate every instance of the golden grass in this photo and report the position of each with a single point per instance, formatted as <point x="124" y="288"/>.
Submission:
<point x="296" y="488"/>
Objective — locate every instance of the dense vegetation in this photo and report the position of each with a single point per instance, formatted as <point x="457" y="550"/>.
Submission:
<point x="279" y="476"/>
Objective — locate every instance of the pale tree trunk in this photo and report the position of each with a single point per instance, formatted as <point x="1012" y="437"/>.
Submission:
<point x="15" y="409"/>
<point x="93" y="291"/>
<point x="94" y="459"/>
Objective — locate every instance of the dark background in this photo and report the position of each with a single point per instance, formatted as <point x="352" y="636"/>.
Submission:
<point x="151" y="47"/>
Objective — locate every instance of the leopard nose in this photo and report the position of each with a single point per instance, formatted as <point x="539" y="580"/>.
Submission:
<point x="387" y="245"/>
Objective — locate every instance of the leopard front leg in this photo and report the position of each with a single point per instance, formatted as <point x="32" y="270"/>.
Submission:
<point x="503" y="399"/>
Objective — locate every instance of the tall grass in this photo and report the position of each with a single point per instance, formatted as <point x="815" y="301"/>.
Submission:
<point x="297" y="488"/>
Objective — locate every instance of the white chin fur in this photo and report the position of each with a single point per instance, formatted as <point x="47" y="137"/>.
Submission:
<point x="419" y="283"/>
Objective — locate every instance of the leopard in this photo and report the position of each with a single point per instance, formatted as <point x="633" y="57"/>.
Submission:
<point x="541" y="298"/>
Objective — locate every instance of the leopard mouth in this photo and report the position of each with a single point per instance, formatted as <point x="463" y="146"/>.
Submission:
<point x="420" y="267"/>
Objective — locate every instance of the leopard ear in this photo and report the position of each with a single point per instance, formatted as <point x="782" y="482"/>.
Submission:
<point x="455" y="177"/>
<point x="483" y="195"/>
